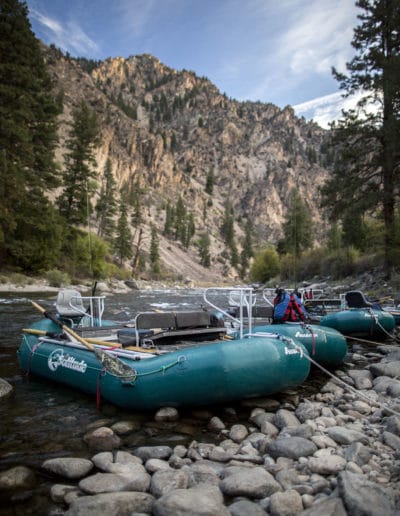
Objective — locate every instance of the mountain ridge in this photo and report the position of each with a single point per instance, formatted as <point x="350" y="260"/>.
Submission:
<point x="165" y="130"/>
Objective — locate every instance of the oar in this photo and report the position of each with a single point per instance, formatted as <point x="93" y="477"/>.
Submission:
<point x="99" y="342"/>
<point x="112" y="364"/>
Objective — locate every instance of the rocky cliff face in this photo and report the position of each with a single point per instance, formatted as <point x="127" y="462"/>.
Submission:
<point x="166" y="130"/>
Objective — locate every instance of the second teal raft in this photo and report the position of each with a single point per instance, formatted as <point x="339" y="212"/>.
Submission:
<point x="326" y="346"/>
<point x="364" y="322"/>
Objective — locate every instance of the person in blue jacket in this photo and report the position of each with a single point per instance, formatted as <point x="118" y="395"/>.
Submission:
<point x="288" y="307"/>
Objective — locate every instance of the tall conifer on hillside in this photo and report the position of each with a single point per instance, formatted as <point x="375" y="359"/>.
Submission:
<point x="106" y="206"/>
<point x="123" y="238"/>
<point x="367" y="173"/>
<point x="79" y="165"/>
<point x="298" y="228"/>
<point x="30" y="230"/>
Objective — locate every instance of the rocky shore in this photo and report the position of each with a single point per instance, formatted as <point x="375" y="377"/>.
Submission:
<point x="335" y="452"/>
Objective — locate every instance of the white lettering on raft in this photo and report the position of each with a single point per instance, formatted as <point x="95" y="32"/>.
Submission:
<point x="58" y="359"/>
<point x="305" y="335"/>
<point x="291" y="351"/>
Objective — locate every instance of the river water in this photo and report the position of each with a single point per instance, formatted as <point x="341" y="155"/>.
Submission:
<point x="41" y="420"/>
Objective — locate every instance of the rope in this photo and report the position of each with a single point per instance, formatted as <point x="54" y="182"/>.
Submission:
<point x="98" y="388"/>
<point x="164" y="368"/>
<point x="390" y="335"/>
<point x="347" y="386"/>
<point x="366" y="341"/>
<point x="313" y="343"/>
<point x="32" y="351"/>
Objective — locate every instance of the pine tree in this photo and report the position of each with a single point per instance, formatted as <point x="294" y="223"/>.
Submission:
<point x="169" y="219"/>
<point x="203" y="245"/>
<point x="353" y="229"/>
<point x="137" y="217"/>
<point x="123" y="239"/>
<point x="28" y="138"/>
<point x="247" y="250"/>
<point x="210" y="182"/>
<point x="190" y="230"/>
<point x="180" y="220"/>
<point x="106" y="206"/>
<point x="366" y="173"/>
<point x="298" y="227"/>
<point x="334" y="237"/>
<point x="228" y="231"/>
<point x="74" y="202"/>
<point x="154" y="251"/>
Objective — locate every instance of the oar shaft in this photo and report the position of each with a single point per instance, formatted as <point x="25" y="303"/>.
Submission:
<point x="65" y="328"/>
<point x="98" y="342"/>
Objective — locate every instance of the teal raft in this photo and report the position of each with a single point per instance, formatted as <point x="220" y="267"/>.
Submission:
<point x="203" y="373"/>
<point x="326" y="346"/>
<point x="363" y="322"/>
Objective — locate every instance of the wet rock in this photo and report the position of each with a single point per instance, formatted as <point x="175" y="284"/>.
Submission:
<point x="164" y="481"/>
<point x="59" y="491"/>
<point x="332" y="388"/>
<point x="125" y="427"/>
<point x="284" y="418"/>
<point x="391" y="440"/>
<point x="253" y="482"/>
<point x="327" y="465"/>
<point x="323" y="441"/>
<point x="218" y="454"/>
<point x="202" y="474"/>
<point x="153" y="465"/>
<point x="180" y="450"/>
<point x="167" y="414"/>
<point x="391" y="369"/>
<point x="331" y="506"/>
<point x="288" y="503"/>
<point x="5" y="388"/>
<point x="107" y="461"/>
<point x="102" y="439"/>
<point x="215" y="424"/>
<point x="259" y="416"/>
<point x="307" y="410"/>
<point x="287" y="477"/>
<point x="303" y="430"/>
<point x="111" y="503"/>
<point x="153" y="452"/>
<point x="392" y="425"/>
<point x="238" y="433"/>
<point x="19" y="477"/>
<point x="68" y="467"/>
<point x="269" y="429"/>
<point x="344" y="435"/>
<point x="360" y="496"/>
<point x="246" y="507"/>
<point x="362" y="378"/>
<point x="134" y="478"/>
<point x="197" y="501"/>
<point x="292" y="447"/>
<point x="358" y="453"/>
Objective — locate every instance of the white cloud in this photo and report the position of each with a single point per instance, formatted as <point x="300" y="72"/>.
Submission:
<point x="328" y="108"/>
<point x="315" y="36"/>
<point x="319" y="36"/>
<point x="69" y="37"/>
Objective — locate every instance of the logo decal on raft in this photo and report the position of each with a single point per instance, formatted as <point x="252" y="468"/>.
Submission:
<point x="57" y="359"/>
<point x="305" y="335"/>
<point x="291" y="351"/>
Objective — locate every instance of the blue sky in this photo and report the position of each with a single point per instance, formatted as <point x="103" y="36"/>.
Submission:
<point x="278" y="51"/>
